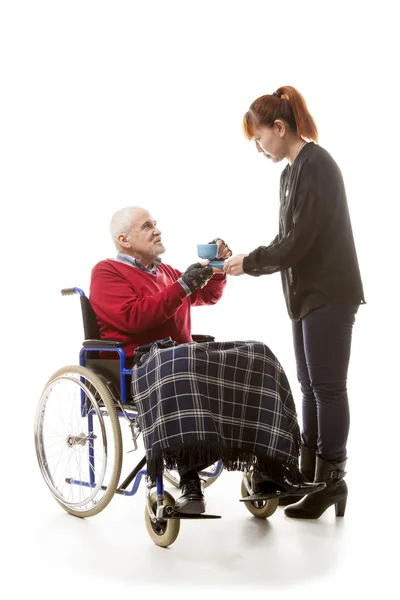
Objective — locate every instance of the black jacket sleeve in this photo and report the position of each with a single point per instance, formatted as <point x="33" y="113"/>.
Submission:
<point x="311" y="207"/>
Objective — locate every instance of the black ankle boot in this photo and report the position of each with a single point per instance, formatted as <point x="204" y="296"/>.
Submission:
<point x="312" y="507"/>
<point x="307" y="469"/>
<point x="266" y="487"/>
<point x="191" y="501"/>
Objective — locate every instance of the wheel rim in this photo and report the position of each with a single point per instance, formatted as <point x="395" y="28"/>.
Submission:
<point x="209" y="475"/>
<point x="259" y="508"/>
<point x="210" y="471"/>
<point x="73" y="449"/>
<point x="157" y="527"/>
<point x="162" y="534"/>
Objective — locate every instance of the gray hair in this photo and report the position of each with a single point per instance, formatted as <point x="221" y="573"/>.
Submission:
<point x="122" y="221"/>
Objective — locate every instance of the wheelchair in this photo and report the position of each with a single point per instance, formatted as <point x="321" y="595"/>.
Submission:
<point x="79" y="444"/>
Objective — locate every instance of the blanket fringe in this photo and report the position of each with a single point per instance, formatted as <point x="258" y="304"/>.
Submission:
<point x="234" y="459"/>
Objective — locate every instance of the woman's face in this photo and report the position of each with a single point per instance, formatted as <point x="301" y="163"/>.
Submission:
<point x="271" y="141"/>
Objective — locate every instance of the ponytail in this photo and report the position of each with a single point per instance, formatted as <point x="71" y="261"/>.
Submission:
<point x="285" y="103"/>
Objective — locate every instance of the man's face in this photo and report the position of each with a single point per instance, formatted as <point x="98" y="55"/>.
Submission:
<point x="144" y="238"/>
<point x="269" y="141"/>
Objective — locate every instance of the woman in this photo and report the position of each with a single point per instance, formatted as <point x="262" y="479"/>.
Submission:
<point x="315" y="253"/>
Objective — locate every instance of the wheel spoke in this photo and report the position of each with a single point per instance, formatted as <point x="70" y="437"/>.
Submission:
<point x="65" y="440"/>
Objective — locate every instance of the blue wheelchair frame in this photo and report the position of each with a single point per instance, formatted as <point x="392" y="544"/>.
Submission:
<point x="94" y="345"/>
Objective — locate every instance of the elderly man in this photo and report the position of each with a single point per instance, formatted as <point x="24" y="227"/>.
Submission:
<point x="197" y="402"/>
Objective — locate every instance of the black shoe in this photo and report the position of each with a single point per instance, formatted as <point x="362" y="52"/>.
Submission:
<point x="261" y="484"/>
<point x="335" y="493"/>
<point x="302" y="489"/>
<point x="307" y="469"/>
<point x="285" y="500"/>
<point x="191" y="501"/>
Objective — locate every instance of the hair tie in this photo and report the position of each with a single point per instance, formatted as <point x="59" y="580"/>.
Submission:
<point x="279" y="94"/>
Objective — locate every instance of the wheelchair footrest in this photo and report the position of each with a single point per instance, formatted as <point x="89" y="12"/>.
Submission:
<point x="260" y="497"/>
<point x="176" y="515"/>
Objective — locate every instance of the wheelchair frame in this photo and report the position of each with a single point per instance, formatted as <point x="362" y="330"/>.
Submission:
<point x="162" y="521"/>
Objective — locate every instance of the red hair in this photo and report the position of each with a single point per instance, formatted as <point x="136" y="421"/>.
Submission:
<point x="286" y="104"/>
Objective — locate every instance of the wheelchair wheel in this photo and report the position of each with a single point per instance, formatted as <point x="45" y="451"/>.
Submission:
<point x="209" y="475"/>
<point x="78" y="441"/>
<point x="262" y="509"/>
<point x="162" y="534"/>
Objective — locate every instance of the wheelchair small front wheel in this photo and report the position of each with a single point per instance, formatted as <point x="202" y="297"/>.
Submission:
<point x="78" y="441"/>
<point x="165" y="533"/>
<point x="262" y="509"/>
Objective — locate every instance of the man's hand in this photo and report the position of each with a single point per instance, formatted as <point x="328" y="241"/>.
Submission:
<point x="197" y="275"/>
<point x="234" y="266"/>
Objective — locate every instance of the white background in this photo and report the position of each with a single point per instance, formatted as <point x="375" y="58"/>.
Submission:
<point x="108" y="104"/>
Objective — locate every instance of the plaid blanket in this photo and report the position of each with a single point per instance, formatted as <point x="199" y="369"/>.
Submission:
<point x="200" y="402"/>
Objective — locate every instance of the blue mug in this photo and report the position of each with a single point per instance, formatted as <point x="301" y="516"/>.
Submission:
<point x="209" y="252"/>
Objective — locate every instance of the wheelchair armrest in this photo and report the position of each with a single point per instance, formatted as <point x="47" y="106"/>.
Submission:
<point x="103" y="343"/>
<point x="203" y="338"/>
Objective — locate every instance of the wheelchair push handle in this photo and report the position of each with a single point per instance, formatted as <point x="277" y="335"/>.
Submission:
<point x="70" y="291"/>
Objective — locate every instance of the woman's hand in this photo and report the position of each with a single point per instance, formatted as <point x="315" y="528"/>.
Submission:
<point x="234" y="266"/>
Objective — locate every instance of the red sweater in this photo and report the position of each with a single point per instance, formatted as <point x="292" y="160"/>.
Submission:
<point x="138" y="307"/>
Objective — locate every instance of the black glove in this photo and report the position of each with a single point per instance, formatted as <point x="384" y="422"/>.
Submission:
<point x="197" y="276"/>
<point x="223" y="251"/>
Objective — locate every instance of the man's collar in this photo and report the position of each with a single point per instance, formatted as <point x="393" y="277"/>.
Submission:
<point x="131" y="260"/>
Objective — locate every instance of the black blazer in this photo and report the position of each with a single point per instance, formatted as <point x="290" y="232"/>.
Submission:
<point x="314" y="249"/>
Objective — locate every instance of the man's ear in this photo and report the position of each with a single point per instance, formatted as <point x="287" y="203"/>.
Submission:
<point x="122" y="240"/>
<point x="279" y="127"/>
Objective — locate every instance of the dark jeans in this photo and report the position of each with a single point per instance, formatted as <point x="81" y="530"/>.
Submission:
<point x="186" y="472"/>
<point x="322" y="342"/>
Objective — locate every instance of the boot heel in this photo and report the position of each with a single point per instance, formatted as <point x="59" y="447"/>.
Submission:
<point x="340" y="507"/>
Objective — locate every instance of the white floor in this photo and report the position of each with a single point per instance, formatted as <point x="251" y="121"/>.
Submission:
<point x="52" y="554"/>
